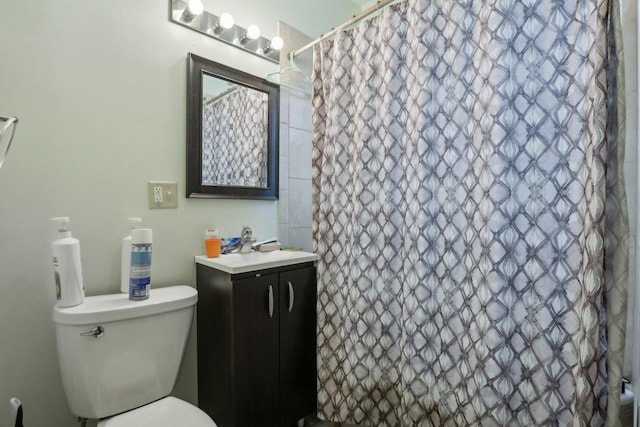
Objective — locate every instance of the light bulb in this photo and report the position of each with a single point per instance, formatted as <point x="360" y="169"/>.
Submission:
<point x="226" y="21"/>
<point x="253" y="32"/>
<point x="276" y="43"/>
<point x="195" y="7"/>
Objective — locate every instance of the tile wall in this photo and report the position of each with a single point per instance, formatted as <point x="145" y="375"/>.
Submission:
<point x="294" y="207"/>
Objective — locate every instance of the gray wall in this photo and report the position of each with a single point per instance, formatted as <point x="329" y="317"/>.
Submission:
<point x="100" y="91"/>
<point x="630" y="36"/>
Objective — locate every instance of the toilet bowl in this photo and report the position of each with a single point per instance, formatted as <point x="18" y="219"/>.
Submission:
<point x="166" y="412"/>
<point x="119" y="359"/>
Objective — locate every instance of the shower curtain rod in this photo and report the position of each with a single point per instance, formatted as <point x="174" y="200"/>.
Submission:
<point x="356" y="18"/>
<point x="221" y="95"/>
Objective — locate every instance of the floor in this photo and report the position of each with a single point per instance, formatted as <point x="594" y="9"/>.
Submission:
<point x="626" y="419"/>
<point x="315" y="422"/>
<point x="320" y="423"/>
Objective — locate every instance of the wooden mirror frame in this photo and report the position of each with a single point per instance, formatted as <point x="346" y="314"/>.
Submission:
<point x="197" y="68"/>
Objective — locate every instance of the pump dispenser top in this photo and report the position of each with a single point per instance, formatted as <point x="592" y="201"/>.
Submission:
<point x="63" y="226"/>
<point x="67" y="266"/>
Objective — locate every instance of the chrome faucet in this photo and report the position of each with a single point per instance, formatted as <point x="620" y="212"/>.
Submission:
<point x="246" y="240"/>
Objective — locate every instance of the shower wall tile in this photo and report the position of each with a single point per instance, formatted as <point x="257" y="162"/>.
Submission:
<point x="283" y="179"/>
<point x="283" y="207"/>
<point x="301" y="238"/>
<point x="299" y="153"/>
<point x="300" y="203"/>
<point x="284" y="106"/>
<point x="294" y="226"/>
<point x="283" y="234"/>
<point x="284" y="139"/>
<point x="300" y="111"/>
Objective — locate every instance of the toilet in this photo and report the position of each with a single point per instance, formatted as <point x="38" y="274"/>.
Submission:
<point x="119" y="359"/>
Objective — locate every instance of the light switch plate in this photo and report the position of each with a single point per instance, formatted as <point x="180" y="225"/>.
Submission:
<point x="162" y="194"/>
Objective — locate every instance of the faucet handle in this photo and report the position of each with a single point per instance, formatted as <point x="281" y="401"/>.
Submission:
<point x="246" y="232"/>
<point x="246" y="240"/>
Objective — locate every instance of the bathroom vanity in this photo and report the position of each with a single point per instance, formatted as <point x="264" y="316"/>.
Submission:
<point x="256" y="318"/>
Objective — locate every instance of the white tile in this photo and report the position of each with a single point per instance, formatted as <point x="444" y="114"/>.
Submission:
<point x="299" y="153"/>
<point x="301" y="237"/>
<point x="300" y="203"/>
<point x="283" y="234"/>
<point x="284" y="139"/>
<point x="283" y="207"/>
<point x="284" y="106"/>
<point x="283" y="179"/>
<point x="300" y="111"/>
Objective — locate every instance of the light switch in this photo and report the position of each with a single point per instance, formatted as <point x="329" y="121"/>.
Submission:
<point x="163" y="194"/>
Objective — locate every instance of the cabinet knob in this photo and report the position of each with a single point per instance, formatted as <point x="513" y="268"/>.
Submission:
<point x="270" y="301"/>
<point x="292" y="297"/>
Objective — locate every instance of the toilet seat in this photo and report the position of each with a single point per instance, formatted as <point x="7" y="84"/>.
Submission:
<point x="166" y="412"/>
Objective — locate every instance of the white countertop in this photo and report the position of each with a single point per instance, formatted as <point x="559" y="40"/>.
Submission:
<point x="242" y="263"/>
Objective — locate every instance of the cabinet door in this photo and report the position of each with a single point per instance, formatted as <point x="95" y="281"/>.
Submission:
<point x="255" y="344"/>
<point x="297" y="345"/>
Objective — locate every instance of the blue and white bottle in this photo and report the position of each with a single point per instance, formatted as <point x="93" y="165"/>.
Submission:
<point x="140" y="279"/>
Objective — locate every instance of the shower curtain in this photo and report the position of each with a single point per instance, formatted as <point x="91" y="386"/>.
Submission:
<point x="470" y="216"/>
<point x="234" y="134"/>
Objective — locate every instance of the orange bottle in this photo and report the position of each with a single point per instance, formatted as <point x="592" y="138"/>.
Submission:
<point x="212" y="243"/>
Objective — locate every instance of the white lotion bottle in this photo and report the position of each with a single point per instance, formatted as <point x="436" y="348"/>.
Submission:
<point x="67" y="266"/>
<point x="125" y="261"/>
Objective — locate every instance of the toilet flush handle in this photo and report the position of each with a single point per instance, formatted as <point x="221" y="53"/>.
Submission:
<point x="96" y="332"/>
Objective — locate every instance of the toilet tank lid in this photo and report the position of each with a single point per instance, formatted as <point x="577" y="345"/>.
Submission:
<point x="113" y="307"/>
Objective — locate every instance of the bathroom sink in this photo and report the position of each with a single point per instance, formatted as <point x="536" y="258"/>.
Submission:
<point x="241" y="263"/>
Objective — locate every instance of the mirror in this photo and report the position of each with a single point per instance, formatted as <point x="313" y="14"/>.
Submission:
<point x="232" y="133"/>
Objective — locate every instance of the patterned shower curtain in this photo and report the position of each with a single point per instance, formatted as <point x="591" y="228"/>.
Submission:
<point x="234" y="133"/>
<point x="470" y="215"/>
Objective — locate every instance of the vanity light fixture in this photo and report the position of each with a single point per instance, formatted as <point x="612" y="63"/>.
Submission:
<point x="194" y="8"/>
<point x="223" y="28"/>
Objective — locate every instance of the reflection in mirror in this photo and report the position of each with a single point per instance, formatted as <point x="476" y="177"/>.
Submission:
<point x="232" y="120"/>
<point x="234" y="134"/>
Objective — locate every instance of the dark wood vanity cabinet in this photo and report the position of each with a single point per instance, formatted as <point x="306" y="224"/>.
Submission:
<point x="257" y="345"/>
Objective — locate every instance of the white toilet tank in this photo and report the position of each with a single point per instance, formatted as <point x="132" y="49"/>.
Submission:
<point x="136" y="357"/>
